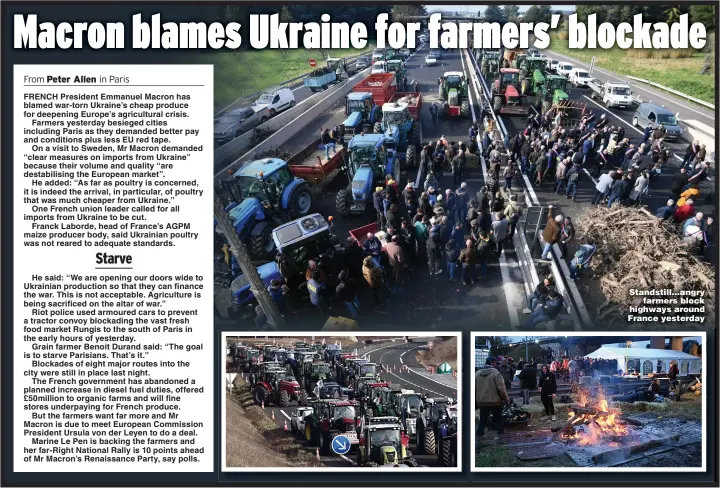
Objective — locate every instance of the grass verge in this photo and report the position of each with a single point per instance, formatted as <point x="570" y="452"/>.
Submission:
<point x="255" y="440"/>
<point x="679" y="73"/>
<point x="244" y="72"/>
<point x="445" y="351"/>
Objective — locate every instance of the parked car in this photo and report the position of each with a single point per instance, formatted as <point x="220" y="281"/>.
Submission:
<point x="362" y="63"/>
<point x="430" y="59"/>
<point x="275" y="100"/>
<point x="297" y="420"/>
<point x="580" y="77"/>
<point x="564" y="68"/>
<point x="237" y="122"/>
<point x="656" y="115"/>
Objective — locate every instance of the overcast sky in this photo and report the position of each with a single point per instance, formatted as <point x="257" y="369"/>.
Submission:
<point x="473" y="9"/>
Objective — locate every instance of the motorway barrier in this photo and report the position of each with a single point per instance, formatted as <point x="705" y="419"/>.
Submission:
<point x="674" y="92"/>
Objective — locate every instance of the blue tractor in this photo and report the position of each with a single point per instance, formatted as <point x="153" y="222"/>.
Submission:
<point x="403" y="133"/>
<point x="240" y="287"/>
<point x="368" y="163"/>
<point x="361" y="111"/>
<point x="265" y="194"/>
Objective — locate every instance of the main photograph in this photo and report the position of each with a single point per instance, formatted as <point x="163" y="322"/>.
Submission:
<point x="340" y="402"/>
<point x="540" y="189"/>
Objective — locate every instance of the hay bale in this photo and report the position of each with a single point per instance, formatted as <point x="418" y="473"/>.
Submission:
<point x="636" y="250"/>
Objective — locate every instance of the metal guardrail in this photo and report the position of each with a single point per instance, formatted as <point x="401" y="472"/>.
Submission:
<point x="674" y="92"/>
<point x="289" y="83"/>
<point x="524" y="244"/>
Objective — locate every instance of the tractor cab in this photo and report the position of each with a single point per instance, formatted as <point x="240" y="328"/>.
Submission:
<point x="252" y="357"/>
<point x="320" y="371"/>
<point x="508" y="77"/>
<point x="397" y="66"/>
<point x="409" y="406"/>
<point x="304" y="239"/>
<point x="383" y="444"/>
<point x="558" y="87"/>
<point x="361" y="111"/>
<point x="453" y="90"/>
<point x="490" y="63"/>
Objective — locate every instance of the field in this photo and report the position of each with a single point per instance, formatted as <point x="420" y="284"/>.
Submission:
<point x="242" y="73"/>
<point x="666" y="67"/>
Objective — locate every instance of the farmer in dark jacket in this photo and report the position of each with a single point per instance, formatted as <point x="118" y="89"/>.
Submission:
<point x="528" y="381"/>
<point x="548" y="388"/>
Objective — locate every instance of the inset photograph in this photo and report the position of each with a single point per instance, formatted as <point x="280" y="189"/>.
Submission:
<point x="340" y="402"/>
<point x="589" y="401"/>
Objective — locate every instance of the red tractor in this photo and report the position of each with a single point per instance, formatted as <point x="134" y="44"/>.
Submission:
<point x="276" y="388"/>
<point x="329" y="419"/>
<point x="505" y="93"/>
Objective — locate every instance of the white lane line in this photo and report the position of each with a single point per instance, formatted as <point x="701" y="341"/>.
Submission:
<point x="434" y="381"/>
<point x="401" y="361"/>
<point x="405" y="379"/>
<point x="342" y="456"/>
<point x="635" y="85"/>
<point x="286" y="415"/>
<point x="616" y="116"/>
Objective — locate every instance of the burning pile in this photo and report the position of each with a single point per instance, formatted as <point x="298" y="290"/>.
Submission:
<point x="593" y="425"/>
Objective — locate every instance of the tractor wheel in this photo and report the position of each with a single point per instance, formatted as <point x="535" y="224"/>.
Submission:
<point x="410" y="157"/>
<point x="302" y="398"/>
<point x="429" y="442"/>
<point x="293" y="430"/>
<point x="497" y="103"/>
<point x="313" y="385"/>
<point x="324" y="445"/>
<point x="300" y="201"/>
<point x="525" y="86"/>
<point x="377" y="128"/>
<point x="448" y="456"/>
<point x="369" y="413"/>
<point x="309" y="434"/>
<point x="465" y="108"/>
<point x="416" y="134"/>
<point x="343" y="199"/>
<point x="420" y="436"/>
<point x="284" y="399"/>
<point x="302" y="382"/>
<point x="259" y="395"/>
<point x="262" y="245"/>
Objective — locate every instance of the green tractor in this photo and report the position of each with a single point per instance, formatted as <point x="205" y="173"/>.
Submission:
<point x="434" y="416"/>
<point x="453" y="90"/>
<point x="383" y="444"/>
<point x="313" y="373"/>
<point x="374" y="397"/>
<point x="529" y="68"/>
<point x="398" y="66"/>
<point x="367" y="373"/>
<point x="490" y="64"/>
<point x="552" y="90"/>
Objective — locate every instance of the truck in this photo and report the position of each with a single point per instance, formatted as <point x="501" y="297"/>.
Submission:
<point x="612" y="94"/>
<point x="381" y="85"/>
<point x="362" y="113"/>
<point x="264" y="193"/>
<point x="320" y="79"/>
<point x="310" y="164"/>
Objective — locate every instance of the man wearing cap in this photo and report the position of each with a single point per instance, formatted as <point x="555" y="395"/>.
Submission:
<point x="490" y="394"/>
<point x="551" y="233"/>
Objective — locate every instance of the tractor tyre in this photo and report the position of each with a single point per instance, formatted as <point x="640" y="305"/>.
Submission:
<point x="300" y="201"/>
<point x="284" y="399"/>
<point x="448" y="455"/>
<point x="497" y="103"/>
<point x="302" y="382"/>
<point x="377" y="128"/>
<point x="429" y="442"/>
<point x="410" y="157"/>
<point x="324" y="444"/>
<point x="313" y="385"/>
<point x="309" y="434"/>
<point x="525" y="87"/>
<point x="416" y="134"/>
<point x="369" y="413"/>
<point x="465" y="109"/>
<point x="420" y="437"/>
<point x="302" y="398"/>
<point x="343" y="199"/>
<point x="259" y="395"/>
<point x="262" y="246"/>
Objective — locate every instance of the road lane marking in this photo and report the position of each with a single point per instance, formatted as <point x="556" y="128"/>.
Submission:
<point x="635" y="85"/>
<point x="283" y="412"/>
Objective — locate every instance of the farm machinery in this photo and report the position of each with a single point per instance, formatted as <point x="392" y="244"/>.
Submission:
<point x="453" y="91"/>
<point x="275" y="387"/>
<point x="433" y="418"/>
<point x="329" y="419"/>
<point x="552" y="90"/>
<point x="530" y="67"/>
<point x="506" y="98"/>
<point x="383" y="444"/>
<point x="264" y="193"/>
<point x="362" y="113"/>
<point x="490" y="63"/>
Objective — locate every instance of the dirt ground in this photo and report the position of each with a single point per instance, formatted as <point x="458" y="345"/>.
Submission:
<point x="254" y="440"/>
<point x="445" y="351"/>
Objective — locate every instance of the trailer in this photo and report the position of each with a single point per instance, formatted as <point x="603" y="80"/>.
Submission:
<point x="360" y="234"/>
<point x="413" y="100"/>
<point x="320" y="82"/>
<point x="310" y="163"/>
<point x="382" y="86"/>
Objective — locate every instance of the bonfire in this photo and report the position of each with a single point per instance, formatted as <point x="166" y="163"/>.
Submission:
<point x="592" y="423"/>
